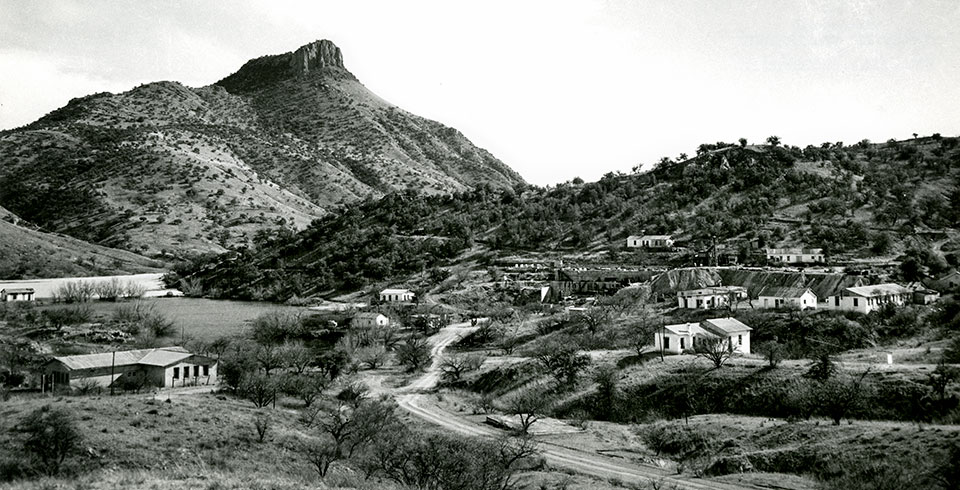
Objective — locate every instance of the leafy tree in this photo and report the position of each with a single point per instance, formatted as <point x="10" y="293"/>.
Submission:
<point x="772" y="351"/>
<point x="942" y="377"/>
<point x="823" y="368"/>
<point x="52" y="434"/>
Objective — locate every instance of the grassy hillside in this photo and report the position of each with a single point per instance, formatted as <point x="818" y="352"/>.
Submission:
<point x="31" y="254"/>
<point x="165" y="169"/>
<point x="864" y="201"/>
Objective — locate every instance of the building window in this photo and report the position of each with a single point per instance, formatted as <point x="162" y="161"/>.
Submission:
<point x="196" y="371"/>
<point x="206" y="370"/>
<point x="681" y="343"/>
<point x="855" y="302"/>
<point x="739" y="339"/>
<point x="666" y="342"/>
<point x="176" y="373"/>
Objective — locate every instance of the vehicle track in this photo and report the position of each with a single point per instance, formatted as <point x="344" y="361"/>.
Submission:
<point x="412" y="399"/>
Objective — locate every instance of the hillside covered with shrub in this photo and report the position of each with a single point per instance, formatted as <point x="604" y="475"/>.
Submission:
<point x="889" y="199"/>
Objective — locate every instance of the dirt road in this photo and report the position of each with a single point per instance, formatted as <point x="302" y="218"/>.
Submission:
<point x="412" y="399"/>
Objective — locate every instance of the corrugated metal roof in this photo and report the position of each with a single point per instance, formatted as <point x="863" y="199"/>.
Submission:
<point x="395" y="291"/>
<point x="162" y="358"/>
<point x="18" y="290"/>
<point x="123" y="358"/>
<point x="878" y="290"/>
<point x="721" y="326"/>
<point x="713" y="290"/>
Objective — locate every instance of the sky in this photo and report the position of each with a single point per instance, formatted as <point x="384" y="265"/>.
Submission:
<point x="556" y="89"/>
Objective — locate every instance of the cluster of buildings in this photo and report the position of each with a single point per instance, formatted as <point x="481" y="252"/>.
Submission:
<point x="863" y="299"/>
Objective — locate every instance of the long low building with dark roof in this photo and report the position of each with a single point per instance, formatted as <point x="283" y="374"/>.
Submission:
<point x="160" y="368"/>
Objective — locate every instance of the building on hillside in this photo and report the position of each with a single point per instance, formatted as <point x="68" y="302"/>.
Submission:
<point x="787" y="297"/>
<point x="795" y="255"/>
<point x="17" y="294"/>
<point x="650" y="241"/>
<point x="946" y="282"/>
<point x="368" y="319"/>
<point x="869" y="298"/>
<point x="711" y="297"/>
<point x="925" y="296"/>
<point x="735" y="333"/>
<point x="675" y="339"/>
<point x="161" y="368"/>
<point x="396" y="296"/>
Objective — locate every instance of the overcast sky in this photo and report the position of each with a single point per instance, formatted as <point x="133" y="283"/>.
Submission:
<point x="555" y="89"/>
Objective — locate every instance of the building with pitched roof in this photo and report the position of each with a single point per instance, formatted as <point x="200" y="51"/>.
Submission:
<point x="396" y="296"/>
<point x="787" y="297"/>
<point x="675" y="339"/>
<point x="165" y="367"/>
<point x="17" y="294"/>
<point x="869" y="298"/>
<point x="368" y="319"/>
<point x="795" y="255"/>
<point x="650" y="241"/>
<point x="711" y="297"/>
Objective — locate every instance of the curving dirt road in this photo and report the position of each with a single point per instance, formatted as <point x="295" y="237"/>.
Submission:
<point x="412" y="399"/>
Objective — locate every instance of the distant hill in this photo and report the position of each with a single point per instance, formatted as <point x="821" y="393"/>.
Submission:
<point x="164" y="169"/>
<point x="31" y="254"/>
<point x="875" y="201"/>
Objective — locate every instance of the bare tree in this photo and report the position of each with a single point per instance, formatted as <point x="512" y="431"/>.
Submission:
<point x="529" y="406"/>
<point x="296" y="356"/>
<point x="414" y="353"/>
<point x="716" y="350"/>
<point x="269" y="358"/>
<point x="454" y="366"/>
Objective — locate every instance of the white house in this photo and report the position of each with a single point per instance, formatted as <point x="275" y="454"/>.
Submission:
<point x="650" y="241"/>
<point x="736" y="333"/>
<point x="675" y="339"/>
<point x="369" y="319"/>
<point x="161" y="368"/>
<point x="795" y="255"/>
<point x="396" y="295"/>
<point x="868" y="298"/>
<point x="17" y="294"/>
<point x="787" y="297"/>
<point x="710" y="297"/>
<point x="678" y="338"/>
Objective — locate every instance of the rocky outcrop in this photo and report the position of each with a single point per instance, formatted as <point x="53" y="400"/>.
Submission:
<point x="315" y="55"/>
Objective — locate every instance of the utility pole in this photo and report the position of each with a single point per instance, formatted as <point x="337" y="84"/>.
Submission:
<point x="113" y="363"/>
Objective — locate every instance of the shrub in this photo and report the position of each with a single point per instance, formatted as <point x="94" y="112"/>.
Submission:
<point x="52" y="434"/>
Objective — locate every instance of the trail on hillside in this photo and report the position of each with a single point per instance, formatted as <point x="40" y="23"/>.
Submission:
<point x="413" y="399"/>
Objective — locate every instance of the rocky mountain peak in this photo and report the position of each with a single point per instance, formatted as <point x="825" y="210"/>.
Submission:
<point x="315" y="55"/>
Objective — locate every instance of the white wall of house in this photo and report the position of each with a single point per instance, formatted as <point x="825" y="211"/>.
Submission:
<point x="188" y="375"/>
<point x="807" y="300"/>
<point x="795" y="258"/>
<point x="378" y="321"/>
<point x="675" y="344"/>
<point x="11" y="297"/>
<point x="705" y="301"/>
<point x="865" y="305"/>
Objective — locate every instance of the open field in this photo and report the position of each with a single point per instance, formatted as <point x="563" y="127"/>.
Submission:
<point x="204" y="319"/>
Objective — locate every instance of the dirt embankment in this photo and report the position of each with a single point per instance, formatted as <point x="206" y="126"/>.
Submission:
<point x="822" y="284"/>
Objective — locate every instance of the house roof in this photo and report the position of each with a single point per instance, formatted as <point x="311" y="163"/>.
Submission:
<point x="125" y="358"/>
<point x="395" y="291"/>
<point x="17" y="290"/>
<point x="721" y="326"/>
<point x="656" y="237"/>
<point x="163" y="358"/>
<point x="686" y="329"/>
<point x="713" y="290"/>
<point x="368" y="315"/>
<point x="878" y="290"/>
<point x="784" y="292"/>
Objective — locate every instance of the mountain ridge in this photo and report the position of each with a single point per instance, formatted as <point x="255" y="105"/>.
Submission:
<point x="165" y="170"/>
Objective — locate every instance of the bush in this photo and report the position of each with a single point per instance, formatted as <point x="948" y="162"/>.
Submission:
<point x="52" y="434"/>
